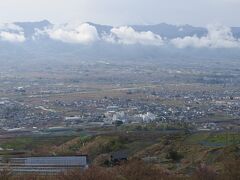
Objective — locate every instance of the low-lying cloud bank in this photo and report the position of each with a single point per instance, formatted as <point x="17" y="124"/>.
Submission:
<point x="81" y="33"/>
<point x="128" y="36"/>
<point x="87" y="34"/>
<point x="11" y="33"/>
<point x="218" y="37"/>
<point x="12" y="37"/>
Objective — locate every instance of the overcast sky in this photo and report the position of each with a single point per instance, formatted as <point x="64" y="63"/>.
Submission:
<point x="119" y="12"/>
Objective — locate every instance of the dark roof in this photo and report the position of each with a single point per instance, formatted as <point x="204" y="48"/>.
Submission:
<point x="119" y="155"/>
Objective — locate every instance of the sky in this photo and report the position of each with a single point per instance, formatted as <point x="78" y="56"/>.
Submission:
<point x="122" y="12"/>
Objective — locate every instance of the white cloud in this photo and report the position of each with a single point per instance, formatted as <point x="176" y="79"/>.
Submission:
<point x="127" y="35"/>
<point x="218" y="37"/>
<point x="72" y="33"/>
<point x="10" y="26"/>
<point x="11" y="33"/>
<point x="12" y="37"/>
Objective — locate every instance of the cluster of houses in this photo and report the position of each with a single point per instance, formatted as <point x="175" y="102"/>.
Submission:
<point x="167" y="107"/>
<point x="200" y="110"/>
<point x="17" y="115"/>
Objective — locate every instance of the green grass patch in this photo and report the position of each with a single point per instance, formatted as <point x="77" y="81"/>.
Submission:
<point x="30" y="143"/>
<point x="214" y="139"/>
<point x="224" y="138"/>
<point x="197" y="138"/>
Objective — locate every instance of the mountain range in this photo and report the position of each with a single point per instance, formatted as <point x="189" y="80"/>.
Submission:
<point x="163" y="29"/>
<point x="44" y="41"/>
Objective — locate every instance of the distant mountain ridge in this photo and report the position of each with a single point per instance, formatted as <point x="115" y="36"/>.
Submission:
<point x="162" y="29"/>
<point x="135" y="48"/>
<point x="30" y="27"/>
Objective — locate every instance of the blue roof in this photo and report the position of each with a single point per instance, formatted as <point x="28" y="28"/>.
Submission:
<point x="59" y="161"/>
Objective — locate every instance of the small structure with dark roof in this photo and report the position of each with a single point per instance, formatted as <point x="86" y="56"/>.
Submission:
<point x="118" y="157"/>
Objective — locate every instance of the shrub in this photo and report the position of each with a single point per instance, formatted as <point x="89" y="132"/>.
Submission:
<point x="5" y="174"/>
<point x="174" y="155"/>
<point x="232" y="170"/>
<point x="204" y="172"/>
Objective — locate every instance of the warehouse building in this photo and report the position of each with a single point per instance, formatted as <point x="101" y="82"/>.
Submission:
<point x="44" y="165"/>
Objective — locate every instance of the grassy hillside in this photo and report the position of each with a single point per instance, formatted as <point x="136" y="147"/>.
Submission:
<point x="178" y="153"/>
